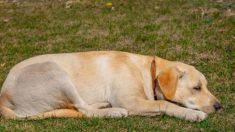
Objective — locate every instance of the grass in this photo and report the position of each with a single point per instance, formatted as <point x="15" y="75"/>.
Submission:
<point x="197" y="32"/>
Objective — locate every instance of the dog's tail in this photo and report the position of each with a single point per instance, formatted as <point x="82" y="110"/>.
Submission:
<point x="5" y="111"/>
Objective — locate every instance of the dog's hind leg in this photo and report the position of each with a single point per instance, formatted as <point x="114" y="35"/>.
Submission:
<point x="70" y="113"/>
<point x="45" y="87"/>
<point x="58" y="113"/>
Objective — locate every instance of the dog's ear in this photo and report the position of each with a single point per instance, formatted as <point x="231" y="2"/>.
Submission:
<point x="167" y="80"/>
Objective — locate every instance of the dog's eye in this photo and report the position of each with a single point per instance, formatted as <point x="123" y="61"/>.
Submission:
<point x="197" y="88"/>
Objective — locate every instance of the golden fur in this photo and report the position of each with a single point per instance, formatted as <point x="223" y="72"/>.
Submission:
<point x="87" y="83"/>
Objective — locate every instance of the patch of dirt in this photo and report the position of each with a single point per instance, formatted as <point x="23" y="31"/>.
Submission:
<point x="214" y="56"/>
<point x="170" y="31"/>
<point x="91" y="33"/>
<point x="204" y="10"/>
<point x="229" y="13"/>
<point x="233" y="74"/>
<point x="125" y="42"/>
<point x="197" y="56"/>
<point x="162" y="19"/>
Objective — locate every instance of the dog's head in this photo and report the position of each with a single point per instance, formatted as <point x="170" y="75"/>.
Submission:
<point x="183" y="84"/>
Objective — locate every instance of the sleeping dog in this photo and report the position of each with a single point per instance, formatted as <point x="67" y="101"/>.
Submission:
<point x="105" y="83"/>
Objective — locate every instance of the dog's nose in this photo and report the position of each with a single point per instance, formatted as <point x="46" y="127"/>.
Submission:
<point x="217" y="106"/>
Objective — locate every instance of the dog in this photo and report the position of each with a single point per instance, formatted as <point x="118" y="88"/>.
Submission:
<point x="105" y="84"/>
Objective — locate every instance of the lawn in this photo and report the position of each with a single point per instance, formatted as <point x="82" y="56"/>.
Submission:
<point x="197" y="32"/>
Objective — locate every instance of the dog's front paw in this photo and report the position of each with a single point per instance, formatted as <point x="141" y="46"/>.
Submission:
<point x="195" y="115"/>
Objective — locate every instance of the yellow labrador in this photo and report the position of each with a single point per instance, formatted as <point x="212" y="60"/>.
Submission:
<point x="86" y="83"/>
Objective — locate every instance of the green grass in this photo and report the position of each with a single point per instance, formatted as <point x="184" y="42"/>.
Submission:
<point x="197" y="32"/>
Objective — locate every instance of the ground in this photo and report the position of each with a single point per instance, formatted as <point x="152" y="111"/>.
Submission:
<point x="197" y="32"/>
